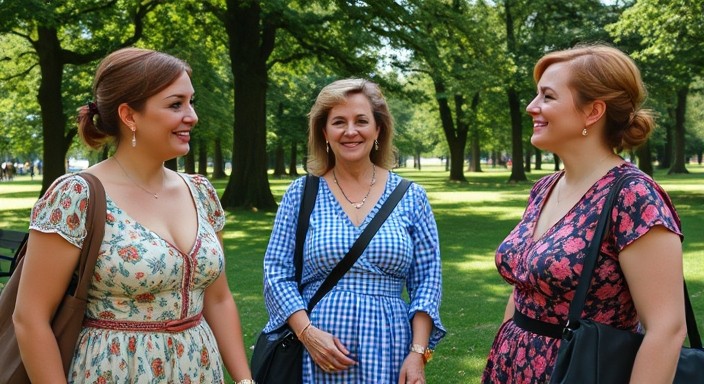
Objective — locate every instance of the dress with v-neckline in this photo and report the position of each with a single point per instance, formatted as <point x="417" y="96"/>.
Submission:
<point x="140" y="278"/>
<point x="545" y="271"/>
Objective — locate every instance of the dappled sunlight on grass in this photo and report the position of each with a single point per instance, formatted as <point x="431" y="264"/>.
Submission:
<point x="473" y="218"/>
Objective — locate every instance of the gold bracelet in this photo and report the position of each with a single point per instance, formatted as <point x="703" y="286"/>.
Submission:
<point x="300" y="335"/>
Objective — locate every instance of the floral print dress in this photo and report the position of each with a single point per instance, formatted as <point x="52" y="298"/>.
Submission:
<point x="141" y="286"/>
<point x="545" y="271"/>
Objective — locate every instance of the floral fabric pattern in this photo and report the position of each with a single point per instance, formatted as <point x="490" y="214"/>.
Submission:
<point x="545" y="271"/>
<point x="140" y="277"/>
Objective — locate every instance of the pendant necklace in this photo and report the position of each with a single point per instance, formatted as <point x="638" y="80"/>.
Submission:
<point x="358" y="204"/>
<point x="154" y="194"/>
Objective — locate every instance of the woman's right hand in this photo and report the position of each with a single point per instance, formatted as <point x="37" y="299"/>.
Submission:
<point x="326" y="350"/>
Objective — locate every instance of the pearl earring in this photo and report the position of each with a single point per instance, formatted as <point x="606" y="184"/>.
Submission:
<point x="584" y="132"/>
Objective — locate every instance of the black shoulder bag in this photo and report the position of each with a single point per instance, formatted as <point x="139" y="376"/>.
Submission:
<point x="594" y="353"/>
<point x="278" y="355"/>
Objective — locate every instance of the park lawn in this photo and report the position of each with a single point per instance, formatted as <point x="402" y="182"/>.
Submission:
<point x="473" y="218"/>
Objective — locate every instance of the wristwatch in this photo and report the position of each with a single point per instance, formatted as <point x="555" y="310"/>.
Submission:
<point x="427" y="353"/>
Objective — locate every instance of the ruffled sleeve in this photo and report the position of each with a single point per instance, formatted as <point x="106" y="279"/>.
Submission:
<point x="208" y="197"/>
<point x="62" y="209"/>
<point x="424" y="282"/>
<point x="641" y="205"/>
<point x="281" y="294"/>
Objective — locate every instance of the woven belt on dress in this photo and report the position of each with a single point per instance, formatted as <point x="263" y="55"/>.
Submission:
<point x="171" y="326"/>
<point x="536" y="326"/>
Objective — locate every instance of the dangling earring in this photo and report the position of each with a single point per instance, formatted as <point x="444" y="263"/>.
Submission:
<point x="134" y="137"/>
<point x="584" y="132"/>
<point x="327" y="147"/>
<point x="376" y="144"/>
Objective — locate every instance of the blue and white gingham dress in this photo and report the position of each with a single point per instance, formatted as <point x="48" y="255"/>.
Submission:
<point x="366" y="310"/>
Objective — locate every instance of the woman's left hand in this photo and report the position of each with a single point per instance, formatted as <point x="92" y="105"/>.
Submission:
<point x="412" y="370"/>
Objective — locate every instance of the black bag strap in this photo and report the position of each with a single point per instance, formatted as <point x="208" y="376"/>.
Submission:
<point x="360" y="244"/>
<point x="580" y="296"/>
<point x="310" y="192"/>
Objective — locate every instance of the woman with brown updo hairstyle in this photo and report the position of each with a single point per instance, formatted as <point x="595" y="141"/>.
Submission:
<point x="588" y="109"/>
<point x="159" y="306"/>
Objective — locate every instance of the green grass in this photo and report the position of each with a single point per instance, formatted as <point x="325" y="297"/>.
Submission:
<point x="473" y="218"/>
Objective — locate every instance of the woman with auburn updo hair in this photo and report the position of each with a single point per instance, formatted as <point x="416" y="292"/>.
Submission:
<point x="159" y="306"/>
<point x="362" y="330"/>
<point x="587" y="109"/>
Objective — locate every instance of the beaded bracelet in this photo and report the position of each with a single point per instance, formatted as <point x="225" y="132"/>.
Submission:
<point x="246" y="381"/>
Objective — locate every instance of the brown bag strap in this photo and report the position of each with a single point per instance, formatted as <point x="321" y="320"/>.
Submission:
<point x="96" y="216"/>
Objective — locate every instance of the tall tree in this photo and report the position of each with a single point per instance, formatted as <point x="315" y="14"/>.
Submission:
<point x="672" y="44"/>
<point x="63" y="34"/>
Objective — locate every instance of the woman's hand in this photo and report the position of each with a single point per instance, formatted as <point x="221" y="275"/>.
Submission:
<point x="326" y="350"/>
<point x="412" y="370"/>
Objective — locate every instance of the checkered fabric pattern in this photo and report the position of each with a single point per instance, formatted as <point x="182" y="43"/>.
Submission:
<point x="366" y="310"/>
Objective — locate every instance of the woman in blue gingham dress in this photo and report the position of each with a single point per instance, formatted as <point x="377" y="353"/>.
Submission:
<point x="362" y="331"/>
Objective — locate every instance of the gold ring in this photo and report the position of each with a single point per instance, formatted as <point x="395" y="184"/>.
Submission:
<point x="331" y="368"/>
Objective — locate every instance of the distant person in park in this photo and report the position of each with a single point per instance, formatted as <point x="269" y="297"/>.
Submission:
<point x="588" y="109"/>
<point x="362" y="331"/>
<point x="159" y="307"/>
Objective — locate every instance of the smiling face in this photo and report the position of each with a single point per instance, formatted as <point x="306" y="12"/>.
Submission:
<point x="557" y="120"/>
<point x="351" y="129"/>
<point x="165" y="124"/>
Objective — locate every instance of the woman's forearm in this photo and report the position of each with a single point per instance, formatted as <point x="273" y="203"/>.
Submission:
<point x="39" y="351"/>
<point x="656" y="360"/>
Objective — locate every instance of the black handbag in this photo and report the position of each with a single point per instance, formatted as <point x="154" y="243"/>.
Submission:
<point x="278" y="355"/>
<point x="595" y="353"/>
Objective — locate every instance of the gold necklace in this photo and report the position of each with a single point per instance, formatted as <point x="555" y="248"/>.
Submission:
<point x="586" y="178"/>
<point x="154" y="194"/>
<point x="358" y="204"/>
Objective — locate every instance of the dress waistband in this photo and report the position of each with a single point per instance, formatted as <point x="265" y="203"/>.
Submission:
<point x="536" y="326"/>
<point x="171" y="326"/>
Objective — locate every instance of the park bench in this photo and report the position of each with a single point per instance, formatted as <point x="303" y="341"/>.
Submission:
<point x="10" y="244"/>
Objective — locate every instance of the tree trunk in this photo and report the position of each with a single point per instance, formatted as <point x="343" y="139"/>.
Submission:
<point x="538" y="158"/>
<point x="250" y="45"/>
<point x="172" y="164"/>
<point x="475" y="164"/>
<point x="55" y="143"/>
<point x="293" y="159"/>
<point x="517" y="172"/>
<point x="218" y="161"/>
<point x="514" y="104"/>
<point x="645" y="158"/>
<point x="665" y="161"/>
<point x="203" y="157"/>
<point x="557" y="162"/>
<point x="529" y="149"/>
<point x="456" y="138"/>
<point x="189" y="162"/>
<point x="679" y="152"/>
<point x="279" y="163"/>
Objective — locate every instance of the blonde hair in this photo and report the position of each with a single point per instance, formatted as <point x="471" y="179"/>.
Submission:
<point x="320" y="160"/>
<point x="601" y="72"/>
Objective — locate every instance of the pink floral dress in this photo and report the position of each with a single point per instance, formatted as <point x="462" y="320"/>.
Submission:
<point x="545" y="272"/>
<point x="142" y="286"/>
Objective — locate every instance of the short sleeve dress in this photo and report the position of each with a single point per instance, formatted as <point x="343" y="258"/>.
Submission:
<point x="142" y="286"/>
<point x="366" y="309"/>
<point x="545" y="272"/>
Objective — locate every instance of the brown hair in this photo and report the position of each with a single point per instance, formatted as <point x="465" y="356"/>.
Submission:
<point x="128" y="75"/>
<point x="319" y="160"/>
<point x="601" y="72"/>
